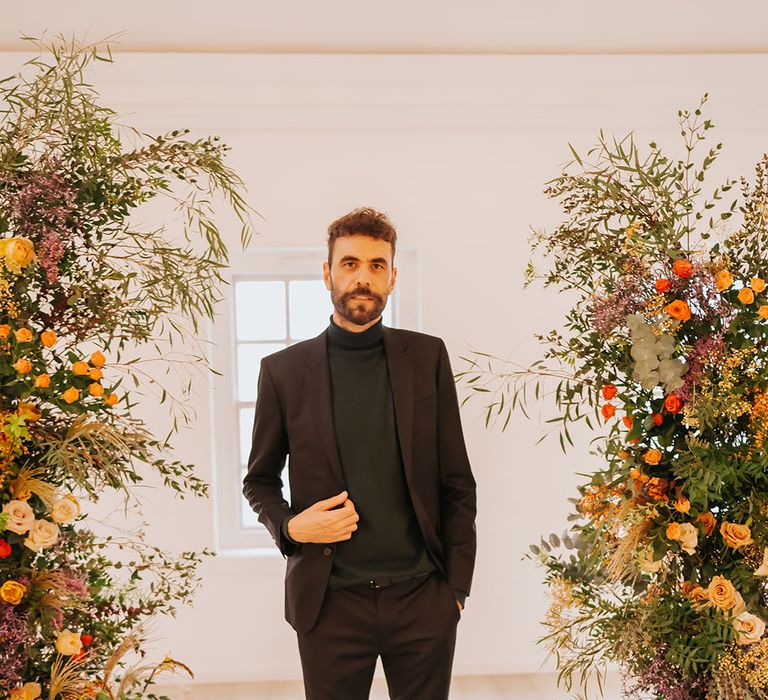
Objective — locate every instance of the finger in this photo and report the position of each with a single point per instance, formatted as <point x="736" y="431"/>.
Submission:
<point x="332" y="502"/>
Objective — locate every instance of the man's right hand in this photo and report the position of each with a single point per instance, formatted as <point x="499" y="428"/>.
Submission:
<point x="323" y="522"/>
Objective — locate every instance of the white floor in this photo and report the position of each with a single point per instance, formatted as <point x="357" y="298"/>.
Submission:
<point x="527" y="687"/>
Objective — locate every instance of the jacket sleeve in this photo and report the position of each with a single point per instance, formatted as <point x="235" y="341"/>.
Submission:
<point x="262" y="485"/>
<point x="457" y="485"/>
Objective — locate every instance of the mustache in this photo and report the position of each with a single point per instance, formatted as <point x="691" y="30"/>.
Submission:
<point x="366" y="292"/>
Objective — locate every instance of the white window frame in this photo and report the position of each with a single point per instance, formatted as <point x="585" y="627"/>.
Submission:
<point x="268" y="264"/>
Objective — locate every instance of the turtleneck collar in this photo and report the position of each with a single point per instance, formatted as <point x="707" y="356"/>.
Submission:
<point x="369" y="338"/>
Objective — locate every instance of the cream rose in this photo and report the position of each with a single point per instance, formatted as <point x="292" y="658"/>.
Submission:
<point x="749" y="627"/>
<point x="689" y="538"/>
<point x="762" y="570"/>
<point x="43" y="533"/>
<point x="723" y="595"/>
<point x="65" y="509"/>
<point x="646" y="562"/>
<point x="68" y="643"/>
<point x="28" y="691"/>
<point x="20" y="516"/>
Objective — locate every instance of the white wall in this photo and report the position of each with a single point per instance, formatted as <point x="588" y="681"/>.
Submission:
<point x="456" y="149"/>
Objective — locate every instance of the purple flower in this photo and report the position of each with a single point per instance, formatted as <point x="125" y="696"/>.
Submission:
<point x="667" y="681"/>
<point x="13" y="645"/>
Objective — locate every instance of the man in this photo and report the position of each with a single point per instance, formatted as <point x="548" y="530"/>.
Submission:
<point x="380" y="534"/>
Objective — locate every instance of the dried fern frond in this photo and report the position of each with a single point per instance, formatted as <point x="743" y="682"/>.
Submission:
<point x="623" y="556"/>
<point x="27" y="482"/>
<point x="68" y="678"/>
<point x="146" y="673"/>
<point x="57" y="593"/>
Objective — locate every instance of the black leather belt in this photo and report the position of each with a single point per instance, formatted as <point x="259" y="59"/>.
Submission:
<point x="385" y="582"/>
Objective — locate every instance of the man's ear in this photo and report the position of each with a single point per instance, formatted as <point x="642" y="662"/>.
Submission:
<point x="327" y="275"/>
<point x="392" y="281"/>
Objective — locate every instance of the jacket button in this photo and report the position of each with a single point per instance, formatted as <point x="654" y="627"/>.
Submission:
<point x="327" y="551"/>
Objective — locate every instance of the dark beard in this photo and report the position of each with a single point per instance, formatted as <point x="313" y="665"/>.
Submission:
<point x="355" y="310"/>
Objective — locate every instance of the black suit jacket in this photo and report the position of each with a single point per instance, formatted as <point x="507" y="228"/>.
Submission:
<point x="294" y="415"/>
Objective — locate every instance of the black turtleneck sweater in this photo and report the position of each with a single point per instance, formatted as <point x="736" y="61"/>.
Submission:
<point x="388" y="542"/>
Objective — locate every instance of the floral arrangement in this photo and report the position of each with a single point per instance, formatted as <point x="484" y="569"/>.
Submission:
<point x="81" y="288"/>
<point x="664" y="568"/>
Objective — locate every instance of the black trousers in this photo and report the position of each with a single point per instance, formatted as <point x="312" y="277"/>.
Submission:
<point x="411" y="625"/>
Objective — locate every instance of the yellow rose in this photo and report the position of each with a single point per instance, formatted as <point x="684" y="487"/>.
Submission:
<point x="736" y="535"/>
<point x="42" y="380"/>
<point x="23" y="366"/>
<point x="17" y="252"/>
<point x="762" y="312"/>
<point x="29" y="411"/>
<point x="97" y="359"/>
<point x="43" y="533"/>
<point x="80" y="367"/>
<point x="23" y="335"/>
<point x="749" y="627"/>
<point x="28" y="691"/>
<point x="757" y="284"/>
<point x="71" y="395"/>
<point x="12" y="592"/>
<point x="95" y="389"/>
<point x="68" y="643"/>
<point x="723" y="595"/>
<point x="723" y="280"/>
<point x="48" y="338"/>
<point x="65" y="509"/>
<point x="746" y="295"/>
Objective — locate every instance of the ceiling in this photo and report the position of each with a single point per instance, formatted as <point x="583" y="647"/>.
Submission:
<point x="399" y="26"/>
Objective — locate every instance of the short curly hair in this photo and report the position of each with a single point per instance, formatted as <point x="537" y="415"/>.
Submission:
<point x="364" y="221"/>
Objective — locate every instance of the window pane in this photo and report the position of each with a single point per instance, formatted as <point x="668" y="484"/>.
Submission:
<point x="246" y="428"/>
<point x="260" y="310"/>
<point x="248" y="362"/>
<point x="310" y="306"/>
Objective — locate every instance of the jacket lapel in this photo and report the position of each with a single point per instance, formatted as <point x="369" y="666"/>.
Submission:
<point x="401" y="381"/>
<point x="321" y="405"/>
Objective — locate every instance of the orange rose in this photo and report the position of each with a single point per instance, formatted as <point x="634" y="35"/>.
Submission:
<point x="723" y="595"/>
<point x="627" y="420"/>
<point x="757" y="284"/>
<point x="95" y="389"/>
<point x="5" y="331"/>
<point x="699" y="597"/>
<point x="608" y="391"/>
<point x="42" y="380"/>
<point x="746" y="295"/>
<point x="662" y="285"/>
<point x="48" y="338"/>
<point x="23" y="335"/>
<point x="679" y="310"/>
<point x="708" y="522"/>
<point x="23" y="366"/>
<point x="111" y="399"/>
<point x="657" y="488"/>
<point x="95" y="373"/>
<point x="674" y="531"/>
<point x="635" y="473"/>
<point x="762" y="312"/>
<point x="736" y="535"/>
<point x="672" y="403"/>
<point x="658" y="419"/>
<point x="97" y="359"/>
<point x="608" y="411"/>
<point x="652" y="456"/>
<point x="80" y="367"/>
<point x="682" y="268"/>
<point x="71" y="395"/>
<point x="723" y="280"/>
<point x="682" y="505"/>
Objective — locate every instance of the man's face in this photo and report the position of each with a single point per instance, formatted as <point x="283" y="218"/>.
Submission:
<point x="360" y="278"/>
